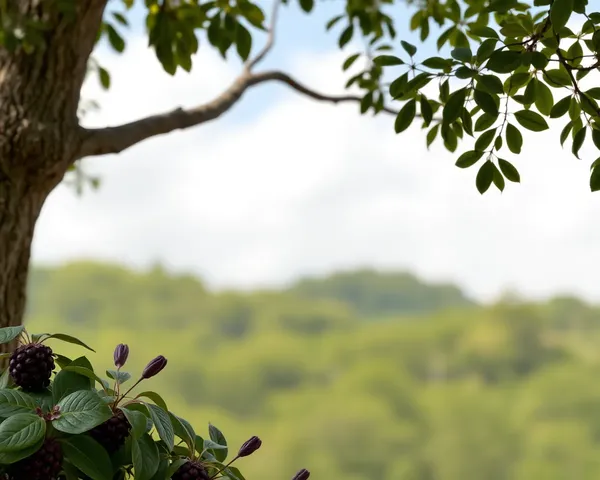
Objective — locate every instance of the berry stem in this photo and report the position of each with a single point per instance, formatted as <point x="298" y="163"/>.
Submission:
<point x="226" y="466"/>
<point x="125" y="394"/>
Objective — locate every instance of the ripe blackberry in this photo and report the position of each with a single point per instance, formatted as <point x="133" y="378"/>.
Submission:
<point x="45" y="464"/>
<point x="191" y="471"/>
<point x="112" y="433"/>
<point x="31" y="366"/>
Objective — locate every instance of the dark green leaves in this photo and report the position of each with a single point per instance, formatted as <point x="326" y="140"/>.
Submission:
<point x="346" y="36"/>
<point x="560" y="12"/>
<point x="595" y="179"/>
<point x="81" y="411"/>
<point x="7" y="334"/>
<point x="88" y="456"/>
<point x="15" y="401"/>
<point x="405" y="116"/>
<point x="21" y="431"/>
<point x="469" y="158"/>
<point x="387" y="60"/>
<point x="454" y="106"/>
<point x="409" y="48"/>
<point x="485" y="176"/>
<point x="145" y="457"/>
<point x="531" y="120"/>
<point x="509" y="171"/>
<point x="487" y="103"/>
<point x="504" y="61"/>
<point x="514" y="139"/>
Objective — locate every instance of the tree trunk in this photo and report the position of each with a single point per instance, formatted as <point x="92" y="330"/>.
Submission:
<point x="39" y="132"/>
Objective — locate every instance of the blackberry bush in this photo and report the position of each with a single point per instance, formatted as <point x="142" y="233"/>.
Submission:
<point x="75" y="425"/>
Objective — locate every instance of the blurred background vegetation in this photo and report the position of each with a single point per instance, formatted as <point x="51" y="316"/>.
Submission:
<point x="360" y="375"/>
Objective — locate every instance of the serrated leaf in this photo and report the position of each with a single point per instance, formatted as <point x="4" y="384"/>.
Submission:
<point x="514" y="139"/>
<point x="485" y="177"/>
<point x="88" y="456"/>
<point x="531" y="120"/>
<point x="405" y="116"/>
<point x="21" y="431"/>
<point x="509" y="170"/>
<point x="145" y="456"/>
<point x="81" y="411"/>
<point x="468" y="159"/>
<point x="8" y="334"/>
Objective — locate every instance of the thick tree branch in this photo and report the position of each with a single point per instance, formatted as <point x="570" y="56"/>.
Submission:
<point x="116" y="139"/>
<point x="109" y="140"/>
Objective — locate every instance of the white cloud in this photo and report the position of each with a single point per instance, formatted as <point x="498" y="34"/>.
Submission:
<point x="302" y="187"/>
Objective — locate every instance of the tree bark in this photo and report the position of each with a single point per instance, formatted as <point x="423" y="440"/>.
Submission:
<point x="39" y="133"/>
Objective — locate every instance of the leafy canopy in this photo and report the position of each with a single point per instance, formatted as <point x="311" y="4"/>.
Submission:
<point x="503" y="66"/>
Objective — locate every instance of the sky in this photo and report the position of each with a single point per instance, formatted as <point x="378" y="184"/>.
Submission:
<point x="283" y="187"/>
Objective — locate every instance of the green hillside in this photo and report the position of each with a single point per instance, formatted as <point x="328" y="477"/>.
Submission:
<point x="508" y="391"/>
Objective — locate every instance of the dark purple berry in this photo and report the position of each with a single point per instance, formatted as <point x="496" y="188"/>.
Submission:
<point x="191" y="471"/>
<point x="45" y="464"/>
<point x="112" y="433"/>
<point x="31" y="366"/>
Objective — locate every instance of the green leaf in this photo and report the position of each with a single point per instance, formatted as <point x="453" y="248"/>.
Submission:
<point x="437" y="63"/>
<point x="468" y="159"/>
<point x="387" y="60"/>
<point x="596" y="138"/>
<point x="163" y="425"/>
<point x="454" y="106"/>
<point x="578" y="141"/>
<point x="509" y="171"/>
<point x="486" y="49"/>
<point x="408" y="48"/>
<point x="565" y="132"/>
<point x="486" y="102"/>
<point x="115" y="40"/>
<point x="405" y="116"/>
<point x="491" y="84"/>
<point x="307" y="5"/>
<point x="462" y="54"/>
<point x="346" y="36"/>
<point x="67" y="382"/>
<point x="7" y="458"/>
<point x="432" y="134"/>
<point x="498" y="179"/>
<point x="243" y="41"/>
<point x="104" y="77"/>
<point x="485" y="121"/>
<point x="544" y="101"/>
<point x="155" y="397"/>
<point x="557" y="78"/>
<point x="15" y="401"/>
<point x="560" y="12"/>
<point x="70" y="339"/>
<point x="485" y="139"/>
<point x="561" y="107"/>
<point x="514" y="139"/>
<point x="426" y="110"/>
<point x="137" y="420"/>
<point x="595" y="179"/>
<point x="8" y="334"/>
<point x="21" y="431"/>
<point x="81" y="411"/>
<point x="86" y="372"/>
<point x="118" y="375"/>
<point x="504" y="61"/>
<point x="183" y="430"/>
<point x="485" y="177"/>
<point x="217" y="436"/>
<point x="176" y="465"/>
<point x="88" y="456"/>
<point x="145" y="456"/>
<point x="531" y="120"/>
<point x="483" y="31"/>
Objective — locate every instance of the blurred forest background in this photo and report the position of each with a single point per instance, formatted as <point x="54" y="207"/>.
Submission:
<point x="356" y="376"/>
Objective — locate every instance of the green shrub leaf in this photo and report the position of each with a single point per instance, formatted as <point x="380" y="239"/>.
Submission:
<point x="81" y="411"/>
<point x="88" y="456"/>
<point x="15" y="401"/>
<point x="21" y="431"/>
<point x="145" y="455"/>
<point x="7" y="334"/>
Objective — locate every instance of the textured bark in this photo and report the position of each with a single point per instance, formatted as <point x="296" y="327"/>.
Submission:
<point x="39" y="133"/>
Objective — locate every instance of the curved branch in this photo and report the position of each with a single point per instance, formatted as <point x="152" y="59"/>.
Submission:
<point x="102" y="141"/>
